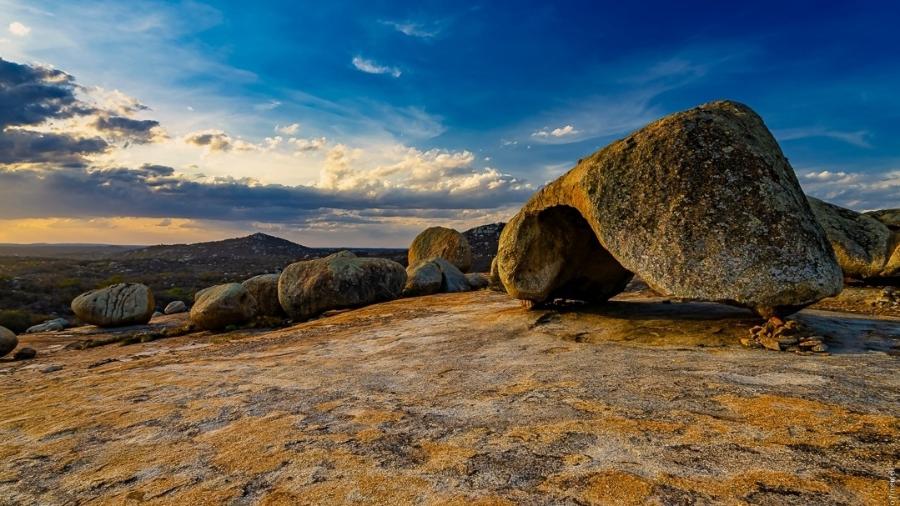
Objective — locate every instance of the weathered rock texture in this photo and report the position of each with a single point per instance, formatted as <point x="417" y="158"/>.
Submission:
<point x="483" y="240"/>
<point x="460" y="399"/>
<point x="219" y="306"/>
<point x="890" y="217"/>
<point x="423" y="278"/>
<point x="341" y="280"/>
<point x="264" y="288"/>
<point x="8" y="341"/>
<point x="115" y="306"/>
<point x="701" y="204"/>
<point x="49" y="326"/>
<point x="175" y="307"/>
<point x="452" y="279"/>
<point x="440" y="242"/>
<point x="865" y="247"/>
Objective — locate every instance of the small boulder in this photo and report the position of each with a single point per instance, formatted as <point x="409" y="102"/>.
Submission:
<point x="342" y="280"/>
<point x="115" y="306"/>
<point x="54" y="325"/>
<point x="477" y="280"/>
<point x="8" y="341"/>
<point x="175" y="307"/>
<point x="223" y="305"/>
<point x="264" y="288"/>
<point x="440" y="242"/>
<point x="453" y="280"/>
<point x="25" y="354"/>
<point x="425" y="278"/>
<point x="865" y="247"/>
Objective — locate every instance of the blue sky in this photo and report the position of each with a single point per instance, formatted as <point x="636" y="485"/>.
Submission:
<point x="361" y="122"/>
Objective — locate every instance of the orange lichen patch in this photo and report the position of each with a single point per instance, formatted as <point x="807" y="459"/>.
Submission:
<point x="575" y="459"/>
<point x="364" y="486"/>
<point x="252" y="445"/>
<point x="155" y="489"/>
<point x="868" y="490"/>
<point x="215" y="492"/>
<point x="442" y="456"/>
<point x="603" y="425"/>
<point x="375" y="416"/>
<point x="368" y="435"/>
<point x="746" y="482"/>
<point x="330" y="405"/>
<point x="792" y="420"/>
<point x="473" y="501"/>
<point x="604" y="487"/>
<point x="199" y="410"/>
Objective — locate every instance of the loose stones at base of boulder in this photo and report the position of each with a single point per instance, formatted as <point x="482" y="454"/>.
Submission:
<point x="8" y="341"/>
<point x="702" y="205"/>
<point x="219" y="306"/>
<point x="54" y="325"/>
<point x="264" y="288"/>
<point x="441" y="242"/>
<point x="779" y="335"/>
<point x="342" y="280"/>
<point x="175" y="307"/>
<point x="115" y="306"/>
<point x="477" y="280"/>
<point x="865" y="247"/>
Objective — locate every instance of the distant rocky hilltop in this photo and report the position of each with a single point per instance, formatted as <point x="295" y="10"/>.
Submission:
<point x="483" y="240"/>
<point x="251" y="245"/>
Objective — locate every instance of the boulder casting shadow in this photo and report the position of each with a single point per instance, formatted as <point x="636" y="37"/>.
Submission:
<point x="701" y="204"/>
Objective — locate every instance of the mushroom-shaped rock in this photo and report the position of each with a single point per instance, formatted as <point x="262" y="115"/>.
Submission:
<point x="342" y="280"/>
<point x="175" y="307"/>
<point x="264" y="288"/>
<point x="440" y="242"/>
<point x="8" y="341"/>
<point x="701" y="204"/>
<point x="219" y="306"/>
<point x="865" y="247"/>
<point x="115" y="306"/>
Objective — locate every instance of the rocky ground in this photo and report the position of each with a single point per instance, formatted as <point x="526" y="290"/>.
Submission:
<point x="458" y="399"/>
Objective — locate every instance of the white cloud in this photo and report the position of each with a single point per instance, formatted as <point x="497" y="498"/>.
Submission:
<point x="268" y="106"/>
<point x="412" y="29"/>
<point x="856" y="138"/>
<point x="371" y="67"/>
<point x="564" y="131"/>
<point x="291" y="129"/>
<point x="18" y="29"/>
<point x="305" y="145"/>
<point x="857" y="190"/>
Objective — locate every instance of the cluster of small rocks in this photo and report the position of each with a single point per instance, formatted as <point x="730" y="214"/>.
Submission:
<point x="889" y="297"/>
<point x="779" y="335"/>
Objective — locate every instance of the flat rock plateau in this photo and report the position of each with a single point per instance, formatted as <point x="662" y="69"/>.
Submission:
<point x="460" y="398"/>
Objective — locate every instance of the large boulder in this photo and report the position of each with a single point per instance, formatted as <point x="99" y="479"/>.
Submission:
<point x="342" y="280"/>
<point x="8" y="341"/>
<point x="440" y="242"/>
<point x="701" y="204"/>
<point x="865" y="247"/>
<point x="219" y="306"/>
<point x="264" y="288"/>
<point x="452" y="278"/>
<point x="115" y="306"/>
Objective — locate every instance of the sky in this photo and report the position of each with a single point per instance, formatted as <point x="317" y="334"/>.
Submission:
<point x="360" y="123"/>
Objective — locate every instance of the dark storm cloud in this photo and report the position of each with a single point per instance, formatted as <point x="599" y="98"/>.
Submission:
<point x="30" y="95"/>
<point x="26" y="146"/>
<point x="156" y="191"/>
<point x="135" y="130"/>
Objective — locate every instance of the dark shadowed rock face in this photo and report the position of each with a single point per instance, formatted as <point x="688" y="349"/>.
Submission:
<point x="440" y="242"/>
<point x="890" y="217"/>
<point x="341" y="280"/>
<point x="264" y="288"/>
<point x="219" y="306"/>
<point x="865" y="247"/>
<point x="115" y="306"/>
<point x="423" y="278"/>
<point x="483" y="241"/>
<point x="701" y="204"/>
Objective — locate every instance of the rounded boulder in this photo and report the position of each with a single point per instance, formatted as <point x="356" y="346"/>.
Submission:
<point x="264" y="288"/>
<point x="118" y="305"/>
<point x="441" y="242"/>
<point x="8" y="341"/>
<point x="219" y="306"/>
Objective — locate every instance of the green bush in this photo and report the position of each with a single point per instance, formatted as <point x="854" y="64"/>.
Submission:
<point x="18" y="320"/>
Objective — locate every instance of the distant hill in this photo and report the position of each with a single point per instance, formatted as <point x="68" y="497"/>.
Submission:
<point x="72" y="251"/>
<point x="252" y="246"/>
<point x="483" y="241"/>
